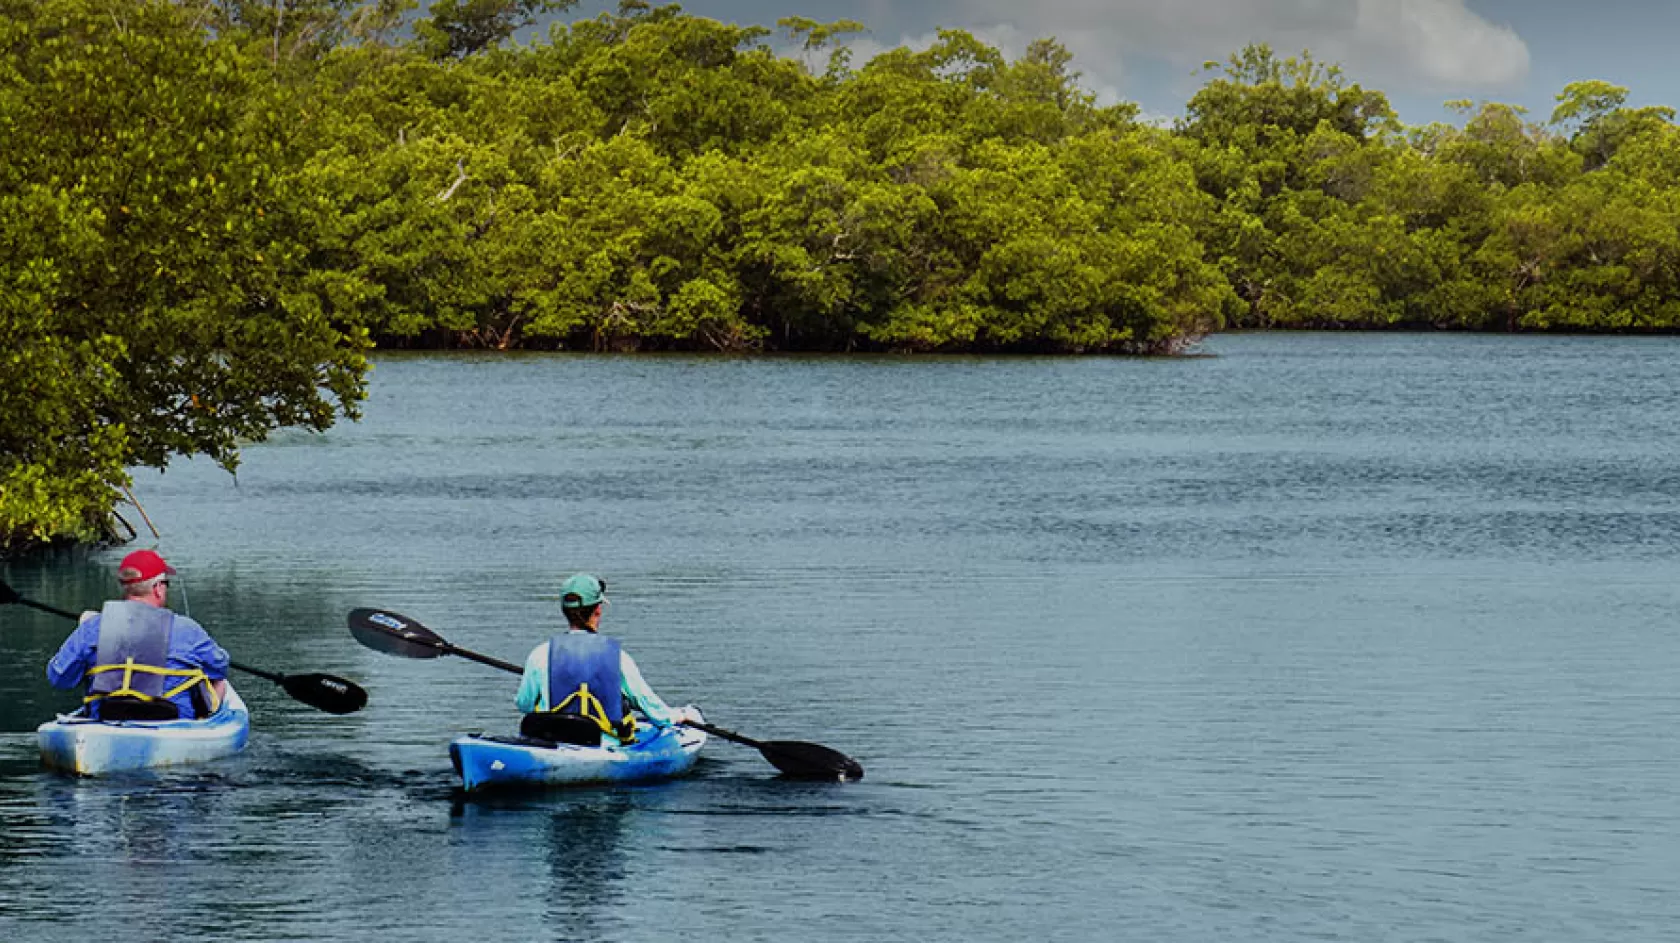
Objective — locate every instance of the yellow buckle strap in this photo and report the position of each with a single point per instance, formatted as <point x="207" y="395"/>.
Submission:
<point x="589" y="706"/>
<point x="192" y="676"/>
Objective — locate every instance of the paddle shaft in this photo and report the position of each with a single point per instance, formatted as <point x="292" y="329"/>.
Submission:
<point x="451" y="649"/>
<point x="269" y="675"/>
<point x="396" y="634"/>
<point x="726" y="734"/>
<point x="46" y="608"/>
<point x="234" y="664"/>
<point x="509" y="667"/>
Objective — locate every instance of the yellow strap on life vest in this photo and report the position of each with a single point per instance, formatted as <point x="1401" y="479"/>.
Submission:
<point x="129" y="668"/>
<point x="591" y="707"/>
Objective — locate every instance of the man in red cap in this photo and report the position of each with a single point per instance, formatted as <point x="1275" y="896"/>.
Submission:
<point x="140" y="660"/>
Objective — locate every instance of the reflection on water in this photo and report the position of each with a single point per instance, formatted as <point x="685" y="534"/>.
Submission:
<point x="98" y="848"/>
<point x="1342" y="637"/>
<point x="579" y="834"/>
<point x="587" y="867"/>
<point x="28" y="638"/>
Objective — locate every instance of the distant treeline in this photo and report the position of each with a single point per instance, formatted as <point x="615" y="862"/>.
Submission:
<point x="213" y="208"/>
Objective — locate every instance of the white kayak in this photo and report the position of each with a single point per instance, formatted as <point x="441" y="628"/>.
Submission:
<point x="76" y="743"/>
<point x="485" y="762"/>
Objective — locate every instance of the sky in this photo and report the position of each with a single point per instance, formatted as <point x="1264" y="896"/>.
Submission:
<point x="1421" y="53"/>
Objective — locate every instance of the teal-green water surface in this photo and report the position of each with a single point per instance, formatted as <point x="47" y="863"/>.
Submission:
<point x="1315" y="637"/>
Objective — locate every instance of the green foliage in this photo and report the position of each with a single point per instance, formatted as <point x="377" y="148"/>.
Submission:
<point x="455" y="29"/>
<point x="160" y="295"/>
<point x="1598" y="124"/>
<point x="210" y="208"/>
<point x="294" y="29"/>
<point x="1329" y="216"/>
<point x="650" y="179"/>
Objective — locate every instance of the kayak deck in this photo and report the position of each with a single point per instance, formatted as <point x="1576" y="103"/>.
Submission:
<point x="82" y="746"/>
<point x="485" y="762"/>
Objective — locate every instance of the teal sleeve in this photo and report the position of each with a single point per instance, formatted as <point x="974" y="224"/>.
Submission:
<point x="530" y="697"/>
<point x="640" y="696"/>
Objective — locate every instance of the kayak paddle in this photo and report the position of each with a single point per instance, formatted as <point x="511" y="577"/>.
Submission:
<point x="394" y="634"/>
<point x="796" y="759"/>
<point x="329" y="693"/>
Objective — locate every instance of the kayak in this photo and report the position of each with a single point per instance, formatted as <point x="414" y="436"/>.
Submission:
<point x="486" y="762"/>
<point x="76" y="743"/>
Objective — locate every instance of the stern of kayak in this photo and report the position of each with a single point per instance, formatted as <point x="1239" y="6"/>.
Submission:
<point x="484" y="762"/>
<point x="82" y="747"/>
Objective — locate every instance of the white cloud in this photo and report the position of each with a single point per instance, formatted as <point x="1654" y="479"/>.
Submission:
<point x="1446" y="42"/>
<point x="1435" y="44"/>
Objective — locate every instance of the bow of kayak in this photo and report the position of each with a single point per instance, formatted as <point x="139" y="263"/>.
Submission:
<point x="76" y="744"/>
<point x="485" y="762"/>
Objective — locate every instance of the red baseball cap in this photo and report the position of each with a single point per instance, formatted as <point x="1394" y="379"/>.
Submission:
<point x="140" y="566"/>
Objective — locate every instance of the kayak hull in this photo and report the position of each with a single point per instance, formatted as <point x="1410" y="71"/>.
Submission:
<point x="516" y="762"/>
<point x="84" y="747"/>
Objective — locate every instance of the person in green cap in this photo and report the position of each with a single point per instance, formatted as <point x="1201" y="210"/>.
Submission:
<point x="588" y="675"/>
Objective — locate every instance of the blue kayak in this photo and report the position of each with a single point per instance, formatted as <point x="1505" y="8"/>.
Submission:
<point x="486" y="762"/>
<point x="78" y="744"/>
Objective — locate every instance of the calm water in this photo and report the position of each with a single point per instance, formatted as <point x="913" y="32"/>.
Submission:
<point x="1318" y="637"/>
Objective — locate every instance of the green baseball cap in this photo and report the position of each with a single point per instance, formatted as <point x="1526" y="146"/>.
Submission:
<point x="581" y="590"/>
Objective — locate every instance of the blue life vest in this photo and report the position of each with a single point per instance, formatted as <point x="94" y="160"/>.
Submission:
<point x="585" y="678"/>
<point x="132" y="657"/>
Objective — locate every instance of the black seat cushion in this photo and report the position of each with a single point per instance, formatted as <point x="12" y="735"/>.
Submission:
<point x="133" y="708"/>
<point x="561" y="728"/>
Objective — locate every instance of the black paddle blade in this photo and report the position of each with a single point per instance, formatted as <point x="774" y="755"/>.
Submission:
<point x="799" y="760"/>
<point x="8" y="595"/>
<point x="329" y="693"/>
<point x="395" y="634"/>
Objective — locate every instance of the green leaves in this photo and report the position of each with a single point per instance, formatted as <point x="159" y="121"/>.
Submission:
<point x="459" y="28"/>
<point x="1328" y="216"/>
<point x="160" y="293"/>
<point x="211" y="210"/>
<point x="650" y="179"/>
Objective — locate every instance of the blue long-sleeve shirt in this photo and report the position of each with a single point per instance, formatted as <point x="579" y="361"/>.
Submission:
<point x="533" y="687"/>
<point x="189" y="647"/>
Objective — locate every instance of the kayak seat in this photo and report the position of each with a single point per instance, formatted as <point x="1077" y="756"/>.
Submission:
<point x="133" y="708"/>
<point x="561" y="728"/>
